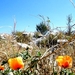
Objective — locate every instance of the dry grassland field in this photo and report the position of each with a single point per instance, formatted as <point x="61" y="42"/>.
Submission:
<point x="38" y="59"/>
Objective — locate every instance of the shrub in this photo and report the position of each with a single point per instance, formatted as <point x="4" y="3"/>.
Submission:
<point x="20" y="37"/>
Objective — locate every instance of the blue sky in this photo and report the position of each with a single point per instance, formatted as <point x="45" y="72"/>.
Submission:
<point x="26" y="13"/>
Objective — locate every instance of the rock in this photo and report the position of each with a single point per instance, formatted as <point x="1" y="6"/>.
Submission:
<point x="23" y="45"/>
<point x="10" y="73"/>
<point x="62" y="40"/>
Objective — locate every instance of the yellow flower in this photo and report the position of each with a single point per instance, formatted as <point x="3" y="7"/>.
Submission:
<point x="59" y="59"/>
<point x="1" y="67"/>
<point x="16" y="63"/>
<point x="64" y="61"/>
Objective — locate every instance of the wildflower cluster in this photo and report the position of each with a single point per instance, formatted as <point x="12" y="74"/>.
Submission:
<point x="16" y="65"/>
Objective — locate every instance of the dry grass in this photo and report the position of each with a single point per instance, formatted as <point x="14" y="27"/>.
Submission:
<point x="46" y="63"/>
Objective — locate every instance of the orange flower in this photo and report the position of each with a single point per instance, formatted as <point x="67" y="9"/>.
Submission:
<point x="64" y="61"/>
<point x="59" y="59"/>
<point x="1" y="67"/>
<point x="16" y="63"/>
